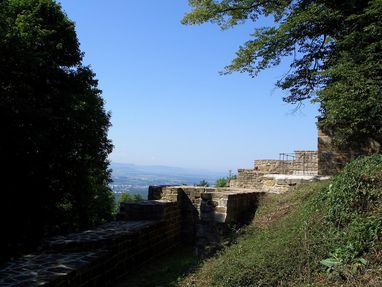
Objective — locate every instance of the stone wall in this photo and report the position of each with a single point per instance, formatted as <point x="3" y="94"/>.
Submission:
<point x="208" y="213"/>
<point x="247" y="178"/>
<point x="100" y="256"/>
<point x="272" y="166"/>
<point x="305" y="163"/>
<point x="331" y="160"/>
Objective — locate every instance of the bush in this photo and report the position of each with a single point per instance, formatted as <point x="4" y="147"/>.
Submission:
<point x="355" y="191"/>
<point x="129" y="197"/>
<point x="224" y="181"/>
<point x="352" y="205"/>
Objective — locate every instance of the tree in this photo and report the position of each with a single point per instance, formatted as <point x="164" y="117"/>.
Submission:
<point x="326" y="41"/>
<point x="54" y="126"/>
<point x="351" y="101"/>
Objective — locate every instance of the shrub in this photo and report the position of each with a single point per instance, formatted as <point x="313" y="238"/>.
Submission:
<point x="224" y="181"/>
<point x="352" y="205"/>
<point x="129" y="197"/>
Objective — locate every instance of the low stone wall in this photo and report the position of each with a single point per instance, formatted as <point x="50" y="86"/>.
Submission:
<point x="145" y="229"/>
<point x="266" y="166"/>
<point x="331" y="160"/>
<point x="100" y="256"/>
<point x="247" y="178"/>
<point x="208" y="213"/>
<point x="305" y="163"/>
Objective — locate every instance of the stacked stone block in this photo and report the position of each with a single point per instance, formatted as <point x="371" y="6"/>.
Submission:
<point x="305" y="163"/>
<point x="208" y="213"/>
<point x="101" y="256"/>
<point x="331" y="160"/>
<point x="273" y="166"/>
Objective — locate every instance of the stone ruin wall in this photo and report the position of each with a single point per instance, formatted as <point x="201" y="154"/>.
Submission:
<point x="144" y="230"/>
<point x="305" y="163"/>
<point x="207" y="212"/>
<point x="331" y="159"/>
<point x="101" y="256"/>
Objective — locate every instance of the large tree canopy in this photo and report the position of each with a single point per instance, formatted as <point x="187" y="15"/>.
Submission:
<point x="54" y="146"/>
<point x="335" y="52"/>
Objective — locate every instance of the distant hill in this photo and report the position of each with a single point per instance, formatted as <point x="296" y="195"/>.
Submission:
<point x="136" y="179"/>
<point x="123" y="169"/>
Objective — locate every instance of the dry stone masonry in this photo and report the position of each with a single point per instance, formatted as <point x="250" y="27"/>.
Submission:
<point x="208" y="214"/>
<point x="99" y="257"/>
<point x="279" y="175"/>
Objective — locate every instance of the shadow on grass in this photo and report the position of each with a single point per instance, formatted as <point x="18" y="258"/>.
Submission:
<point x="166" y="270"/>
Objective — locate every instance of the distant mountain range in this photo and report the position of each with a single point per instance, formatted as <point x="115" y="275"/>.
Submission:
<point x="121" y="169"/>
<point x="136" y="179"/>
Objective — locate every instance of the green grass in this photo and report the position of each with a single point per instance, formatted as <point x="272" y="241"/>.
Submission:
<point x="319" y="234"/>
<point x="164" y="271"/>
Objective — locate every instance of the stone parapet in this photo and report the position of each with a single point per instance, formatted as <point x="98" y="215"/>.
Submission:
<point x="266" y="166"/>
<point x="305" y="163"/>
<point x="208" y="212"/>
<point x="149" y="210"/>
<point x="99" y="257"/>
<point x="247" y="178"/>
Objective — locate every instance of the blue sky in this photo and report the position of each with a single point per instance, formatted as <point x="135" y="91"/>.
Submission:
<point x="169" y="105"/>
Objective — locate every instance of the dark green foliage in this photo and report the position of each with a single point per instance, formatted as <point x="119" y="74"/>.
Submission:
<point x="353" y="208"/>
<point x="334" y="48"/>
<point x="351" y="102"/>
<point x="357" y="190"/>
<point x="130" y="197"/>
<point x="54" y="146"/>
<point x="224" y="181"/>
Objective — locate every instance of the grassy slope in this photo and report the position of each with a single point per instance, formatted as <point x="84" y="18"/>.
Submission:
<point x="273" y="250"/>
<point x="339" y="221"/>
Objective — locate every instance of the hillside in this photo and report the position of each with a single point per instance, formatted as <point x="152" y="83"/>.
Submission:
<point x="320" y="234"/>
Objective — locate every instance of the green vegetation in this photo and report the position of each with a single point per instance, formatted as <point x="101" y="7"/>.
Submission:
<point x="224" y="181"/>
<point x="129" y="197"/>
<point x="54" y="128"/>
<point x="320" y="234"/>
<point x="334" y="49"/>
<point x="164" y="271"/>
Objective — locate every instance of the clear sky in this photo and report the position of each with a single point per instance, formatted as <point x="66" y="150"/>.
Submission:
<point x="169" y="104"/>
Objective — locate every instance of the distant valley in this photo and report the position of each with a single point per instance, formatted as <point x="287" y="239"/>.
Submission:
<point x="136" y="179"/>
